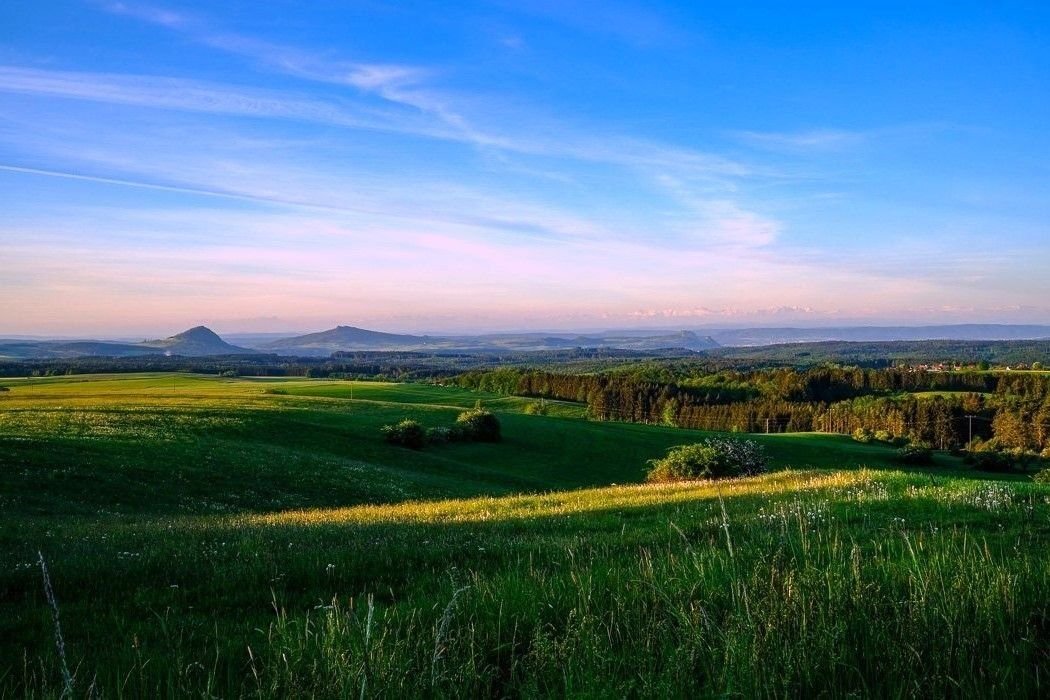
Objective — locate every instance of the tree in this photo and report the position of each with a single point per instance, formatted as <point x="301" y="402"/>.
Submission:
<point x="917" y="454"/>
<point x="477" y="425"/>
<point x="1011" y="429"/>
<point x="407" y="433"/>
<point x="713" y="458"/>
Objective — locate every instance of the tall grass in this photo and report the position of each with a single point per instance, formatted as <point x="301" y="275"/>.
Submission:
<point x="801" y="584"/>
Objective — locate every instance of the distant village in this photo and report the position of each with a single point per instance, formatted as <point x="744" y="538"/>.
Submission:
<point x="973" y="366"/>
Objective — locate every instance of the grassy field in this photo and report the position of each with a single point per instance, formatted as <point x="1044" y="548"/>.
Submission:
<point x="232" y="537"/>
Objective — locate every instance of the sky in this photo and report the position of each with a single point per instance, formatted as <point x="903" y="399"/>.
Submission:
<point x="468" y="166"/>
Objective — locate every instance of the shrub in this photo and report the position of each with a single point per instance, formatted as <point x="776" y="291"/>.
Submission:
<point x="1042" y="476"/>
<point x="979" y="445"/>
<point x="915" y="454"/>
<point x="438" y="436"/>
<point x="536" y="409"/>
<point x="863" y="435"/>
<point x="713" y="458"/>
<point x="883" y="435"/>
<point x="407" y="433"/>
<point x="476" y="425"/>
<point x="686" y="462"/>
<point x="992" y="462"/>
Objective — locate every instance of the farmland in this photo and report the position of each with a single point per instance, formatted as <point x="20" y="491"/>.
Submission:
<point x="256" y="537"/>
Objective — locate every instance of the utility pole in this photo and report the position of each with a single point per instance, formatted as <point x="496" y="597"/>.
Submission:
<point x="767" y="426"/>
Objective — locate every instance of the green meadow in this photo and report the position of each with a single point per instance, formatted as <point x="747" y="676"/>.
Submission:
<point x="235" y="537"/>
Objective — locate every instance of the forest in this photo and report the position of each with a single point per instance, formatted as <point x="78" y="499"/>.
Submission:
<point x="945" y="410"/>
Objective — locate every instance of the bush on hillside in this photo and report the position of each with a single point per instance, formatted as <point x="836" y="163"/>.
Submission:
<point x="407" y="433"/>
<point x="476" y="425"/>
<point x="1042" y="476"/>
<point x="996" y="462"/>
<point x="979" y="445"/>
<point x="916" y="454"/>
<point x="883" y="435"/>
<point x="714" y="458"/>
<point x="438" y="436"/>
<point x="538" y="408"/>
<point x="863" y="435"/>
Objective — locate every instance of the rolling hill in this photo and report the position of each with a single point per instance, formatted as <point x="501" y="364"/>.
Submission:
<point x="256" y="537"/>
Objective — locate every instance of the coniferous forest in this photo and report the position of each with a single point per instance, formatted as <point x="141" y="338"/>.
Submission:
<point x="946" y="410"/>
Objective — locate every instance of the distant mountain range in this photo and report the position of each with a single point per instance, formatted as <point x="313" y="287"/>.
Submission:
<point x="349" y="338"/>
<point x="201" y="341"/>
<point x="195" y="342"/>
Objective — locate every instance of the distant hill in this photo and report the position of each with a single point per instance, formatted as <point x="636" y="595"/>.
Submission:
<point x="687" y="340"/>
<point x="350" y="338"/>
<point x="69" y="349"/>
<point x="343" y="338"/>
<point x="195" y="342"/>
<point x="746" y="337"/>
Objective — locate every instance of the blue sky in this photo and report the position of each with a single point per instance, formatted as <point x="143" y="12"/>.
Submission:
<point x="508" y="165"/>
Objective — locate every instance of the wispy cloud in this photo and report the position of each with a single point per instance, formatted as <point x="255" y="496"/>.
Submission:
<point x="149" y="13"/>
<point x="707" y="218"/>
<point x="636" y="25"/>
<point x="486" y="213"/>
<point x="396" y="83"/>
<point x="161" y="92"/>
<point x="710" y="215"/>
<point x="411" y="86"/>
<point x="813" y="140"/>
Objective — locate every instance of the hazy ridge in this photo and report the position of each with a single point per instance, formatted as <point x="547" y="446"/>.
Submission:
<point x="201" y="341"/>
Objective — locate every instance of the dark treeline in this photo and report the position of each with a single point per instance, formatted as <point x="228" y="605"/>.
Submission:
<point x="879" y="354"/>
<point x="384" y="366"/>
<point x="821" y="384"/>
<point x="359" y="364"/>
<point x="1012" y="408"/>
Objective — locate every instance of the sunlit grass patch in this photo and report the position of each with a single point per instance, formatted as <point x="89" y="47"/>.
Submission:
<point x="567" y="503"/>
